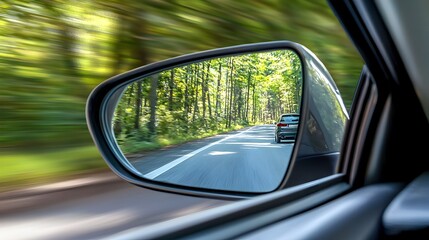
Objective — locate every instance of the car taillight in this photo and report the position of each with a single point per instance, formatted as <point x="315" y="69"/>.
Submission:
<point x="281" y="125"/>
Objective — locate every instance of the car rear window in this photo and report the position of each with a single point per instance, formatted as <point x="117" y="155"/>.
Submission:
<point x="290" y="118"/>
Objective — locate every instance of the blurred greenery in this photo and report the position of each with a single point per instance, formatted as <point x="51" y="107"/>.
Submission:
<point x="24" y="168"/>
<point x="53" y="52"/>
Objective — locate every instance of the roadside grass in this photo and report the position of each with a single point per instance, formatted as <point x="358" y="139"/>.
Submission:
<point x="130" y="146"/>
<point x="32" y="168"/>
<point x="25" y="169"/>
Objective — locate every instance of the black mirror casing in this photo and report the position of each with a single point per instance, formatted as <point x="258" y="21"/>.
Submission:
<point x="317" y="137"/>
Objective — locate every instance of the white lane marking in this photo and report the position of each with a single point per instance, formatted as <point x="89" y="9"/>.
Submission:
<point x="220" y="153"/>
<point x="155" y="173"/>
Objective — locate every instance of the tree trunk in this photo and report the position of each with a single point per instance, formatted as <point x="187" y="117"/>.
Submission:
<point x="203" y="91"/>
<point x="218" y="91"/>
<point x="186" y="94"/>
<point x="254" y="104"/>
<point x="248" y="96"/>
<point x="239" y="104"/>
<point x="170" y="95"/>
<point x="131" y="95"/>
<point x="138" y="105"/>
<point x="208" y="91"/>
<point x="232" y="93"/>
<point x="117" y="125"/>
<point x="196" y="93"/>
<point x="226" y="94"/>
<point x="209" y="103"/>
<point x="153" y="98"/>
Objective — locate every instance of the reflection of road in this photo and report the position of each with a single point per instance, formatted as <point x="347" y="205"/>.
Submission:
<point x="247" y="160"/>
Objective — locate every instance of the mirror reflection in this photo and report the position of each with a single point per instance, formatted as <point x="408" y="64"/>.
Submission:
<point x="227" y="123"/>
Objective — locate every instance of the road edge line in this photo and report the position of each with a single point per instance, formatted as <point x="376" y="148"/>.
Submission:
<point x="157" y="172"/>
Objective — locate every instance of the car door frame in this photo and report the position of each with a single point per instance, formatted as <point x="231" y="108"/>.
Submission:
<point x="361" y="161"/>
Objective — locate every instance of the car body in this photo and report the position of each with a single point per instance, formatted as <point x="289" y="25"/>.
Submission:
<point x="379" y="190"/>
<point x="287" y="127"/>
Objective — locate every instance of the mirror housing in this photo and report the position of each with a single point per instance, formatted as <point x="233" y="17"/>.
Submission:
<point x="319" y="137"/>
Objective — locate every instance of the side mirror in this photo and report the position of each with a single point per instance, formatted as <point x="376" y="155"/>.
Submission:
<point x="195" y="124"/>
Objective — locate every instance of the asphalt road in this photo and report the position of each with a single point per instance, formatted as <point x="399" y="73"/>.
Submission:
<point x="93" y="212"/>
<point x="248" y="160"/>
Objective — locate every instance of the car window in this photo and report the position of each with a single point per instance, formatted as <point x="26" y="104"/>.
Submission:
<point x="290" y="119"/>
<point x="53" y="53"/>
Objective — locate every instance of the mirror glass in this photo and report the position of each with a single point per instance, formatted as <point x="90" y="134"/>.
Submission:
<point x="227" y="123"/>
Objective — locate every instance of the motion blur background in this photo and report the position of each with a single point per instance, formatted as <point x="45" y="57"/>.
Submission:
<point x="53" y="52"/>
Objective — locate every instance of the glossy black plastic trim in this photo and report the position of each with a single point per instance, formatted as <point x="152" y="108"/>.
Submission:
<point x="365" y="26"/>
<point x="233" y="220"/>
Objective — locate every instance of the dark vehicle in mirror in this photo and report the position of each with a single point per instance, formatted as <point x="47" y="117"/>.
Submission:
<point x="287" y="127"/>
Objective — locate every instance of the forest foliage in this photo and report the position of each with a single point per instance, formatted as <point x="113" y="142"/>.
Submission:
<point x="208" y="97"/>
